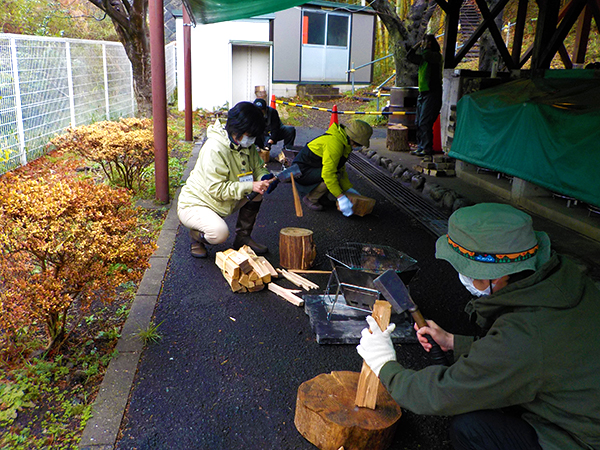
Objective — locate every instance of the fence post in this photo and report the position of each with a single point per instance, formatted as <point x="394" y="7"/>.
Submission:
<point x="106" y="96"/>
<point x="18" y="106"/>
<point x="70" y="82"/>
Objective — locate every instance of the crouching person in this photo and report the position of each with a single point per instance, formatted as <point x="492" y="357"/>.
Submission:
<point x="323" y="165"/>
<point x="228" y="169"/>
<point x="532" y="379"/>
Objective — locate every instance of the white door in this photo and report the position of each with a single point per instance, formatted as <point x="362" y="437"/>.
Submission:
<point x="250" y="68"/>
<point x="325" y="46"/>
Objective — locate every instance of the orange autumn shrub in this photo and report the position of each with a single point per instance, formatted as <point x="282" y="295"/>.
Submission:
<point x="62" y="241"/>
<point x="123" y="149"/>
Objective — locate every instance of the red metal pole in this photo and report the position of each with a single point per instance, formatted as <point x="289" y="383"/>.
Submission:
<point x="159" y="99"/>
<point x="187" y="71"/>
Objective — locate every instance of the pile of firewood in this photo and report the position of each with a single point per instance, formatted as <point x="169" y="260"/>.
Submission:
<point x="244" y="270"/>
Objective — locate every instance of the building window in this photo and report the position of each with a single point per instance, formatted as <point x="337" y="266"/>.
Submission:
<point x="323" y="28"/>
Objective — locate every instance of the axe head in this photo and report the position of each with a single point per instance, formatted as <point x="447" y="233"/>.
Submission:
<point x="286" y="174"/>
<point x="394" y="290"/>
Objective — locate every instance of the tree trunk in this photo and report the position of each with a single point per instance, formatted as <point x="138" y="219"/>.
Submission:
<point x="404" y="34"/>
<point x="130" y="18"/>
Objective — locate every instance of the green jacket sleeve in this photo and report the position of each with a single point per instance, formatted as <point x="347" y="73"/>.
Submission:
<point x="499" y="371"/>
<point x="332" y="153"/>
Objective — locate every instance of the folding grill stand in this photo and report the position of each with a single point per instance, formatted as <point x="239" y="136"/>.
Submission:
<point x="351" y="262"/>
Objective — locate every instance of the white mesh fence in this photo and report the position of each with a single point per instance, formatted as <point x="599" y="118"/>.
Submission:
<point x="50" y="84"/>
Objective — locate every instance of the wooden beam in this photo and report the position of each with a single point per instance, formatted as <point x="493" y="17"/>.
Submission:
<point x="582" y="35"/>
<point x="479" y="30"/>
<point x="495" y="32"/>
<point x="443" y="4"/>
<point x="286" y="294"/>
<point x="594" y="5"/>
<point x="557" y="39"/>
<point x="564" y="56"/>
<point x="545" y="28"/>
<point x="519" y="32"/>
<point x="452" y="20"/>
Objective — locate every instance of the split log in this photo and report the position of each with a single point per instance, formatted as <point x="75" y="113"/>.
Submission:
<point x="368" y="382"/>
<point x="361" y="205"/>
<point x="296" y="248"/>
<point x="397" y="138"/>
<point x="286" y="294"/>
<point x="326" y="415"/>
<point x="298" y="280"/>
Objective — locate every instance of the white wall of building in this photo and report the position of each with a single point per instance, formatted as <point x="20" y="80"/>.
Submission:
<point x="212" y="56"/>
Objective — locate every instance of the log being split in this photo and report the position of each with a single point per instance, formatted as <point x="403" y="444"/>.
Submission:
<point x="326" y="415"/>
<point x="296" y="248"/>
<point x="368" y="383"/>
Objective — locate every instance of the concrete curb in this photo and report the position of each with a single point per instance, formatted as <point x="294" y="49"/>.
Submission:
<point x="102" y="429"/>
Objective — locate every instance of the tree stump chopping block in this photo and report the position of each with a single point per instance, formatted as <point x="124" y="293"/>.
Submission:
<point x="296" y="248"/>
<point x="327" y="417"/>
<point x="397" y="138"/>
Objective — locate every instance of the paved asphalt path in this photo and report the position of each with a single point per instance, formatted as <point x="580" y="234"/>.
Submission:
<point x="226" y="372"/>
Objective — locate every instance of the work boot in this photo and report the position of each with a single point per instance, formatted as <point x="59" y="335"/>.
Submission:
<point x="244" y="226"/>
<point x="197" y="248"/>
<point x="312" y="205"/>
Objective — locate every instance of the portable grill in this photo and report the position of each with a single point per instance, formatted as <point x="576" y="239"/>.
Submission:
<point x="355" y="266"/>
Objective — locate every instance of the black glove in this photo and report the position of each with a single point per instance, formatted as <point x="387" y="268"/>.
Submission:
<point x="273" y="184"/>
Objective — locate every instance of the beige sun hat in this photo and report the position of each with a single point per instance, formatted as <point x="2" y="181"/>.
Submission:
<point x="360" y="132"/>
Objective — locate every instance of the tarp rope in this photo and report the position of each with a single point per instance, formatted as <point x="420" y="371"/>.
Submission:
<point x="376" y="113"/>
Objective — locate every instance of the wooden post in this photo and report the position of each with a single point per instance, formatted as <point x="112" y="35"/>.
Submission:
<point x="368" y="383"/>
<point x="296" y="248"/>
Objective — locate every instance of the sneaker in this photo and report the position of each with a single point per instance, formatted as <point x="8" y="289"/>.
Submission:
<point x="419" y="153"/>
<point x="311" y="205"/>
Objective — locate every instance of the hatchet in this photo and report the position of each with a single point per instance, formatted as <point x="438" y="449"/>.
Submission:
<point x="284" y="175"/>
<point x="394" y="290"/>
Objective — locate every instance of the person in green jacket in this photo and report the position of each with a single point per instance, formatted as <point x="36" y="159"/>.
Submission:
<point x="532" y="379"/>
<point x="228" y="169"/>
<point x="429" y="101"/>
<point x="323" y="165"/>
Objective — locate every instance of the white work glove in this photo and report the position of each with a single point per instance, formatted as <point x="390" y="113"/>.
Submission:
<point x="376" y="346"/>
<point x="345" y="205"/>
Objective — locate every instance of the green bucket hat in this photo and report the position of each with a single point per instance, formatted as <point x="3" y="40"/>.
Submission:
<point x="360" y="132"/>
<point x="490" y="240"/>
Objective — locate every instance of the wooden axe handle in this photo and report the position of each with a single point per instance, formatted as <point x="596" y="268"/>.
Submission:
<point x="297" y="203"/>
<point x="437" y="354"/>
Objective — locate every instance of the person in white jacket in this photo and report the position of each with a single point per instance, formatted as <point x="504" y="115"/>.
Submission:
<point x="228" y="169"/>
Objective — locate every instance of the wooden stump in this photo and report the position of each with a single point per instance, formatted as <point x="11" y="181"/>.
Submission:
<point x="326" y="415"/>
<point x="361" y="205"/>
<point x="397" y="138"/>
<point x="296" y="248"/>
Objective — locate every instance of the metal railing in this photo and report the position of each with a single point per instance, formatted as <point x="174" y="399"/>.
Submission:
<point x="50" y="84"/>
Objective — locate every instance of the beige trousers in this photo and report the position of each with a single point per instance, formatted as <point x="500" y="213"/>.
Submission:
<point x="208" y="222"/>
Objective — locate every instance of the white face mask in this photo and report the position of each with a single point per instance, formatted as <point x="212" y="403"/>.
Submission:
<point x="468" y="283"/>
<point x="247" y="141"/>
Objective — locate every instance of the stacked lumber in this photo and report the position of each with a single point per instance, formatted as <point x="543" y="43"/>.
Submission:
<point x="244" y="270"/>
<point x="440" y="166"/>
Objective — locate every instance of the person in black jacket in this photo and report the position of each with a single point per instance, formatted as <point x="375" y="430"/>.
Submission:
<point x="275" y="131"/>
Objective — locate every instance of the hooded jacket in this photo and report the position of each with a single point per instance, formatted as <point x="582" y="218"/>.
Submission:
<point x="328" y="154"/>
<point x="541" y="351"/>
<point x="214" y="181"/>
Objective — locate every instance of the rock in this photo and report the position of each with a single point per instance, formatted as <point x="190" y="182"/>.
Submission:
<point x="407" y="175"/>
<point x="370" y="153"/>
<point x="437" y="193"/>
<point x="397" y="173"/>
<point x="461" y="202"/>
<point x="417" y="182"/>
<point x="448" y="199"/>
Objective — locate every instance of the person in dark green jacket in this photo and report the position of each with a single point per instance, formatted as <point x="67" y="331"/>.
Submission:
<point x="323" y="165"/>
<point x="429" y="101"/>
<point x="532" y="380"/>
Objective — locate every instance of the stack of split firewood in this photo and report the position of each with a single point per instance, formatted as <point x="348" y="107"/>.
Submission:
<point x="244" y="270"/>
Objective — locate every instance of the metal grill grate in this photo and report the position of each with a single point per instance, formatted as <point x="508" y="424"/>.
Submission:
<point x="434" y="219"/>
<point x="371" y="258"/>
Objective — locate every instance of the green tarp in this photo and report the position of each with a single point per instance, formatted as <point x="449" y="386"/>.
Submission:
<point x="212" y="11"/>
<point x="546" y="131"/>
